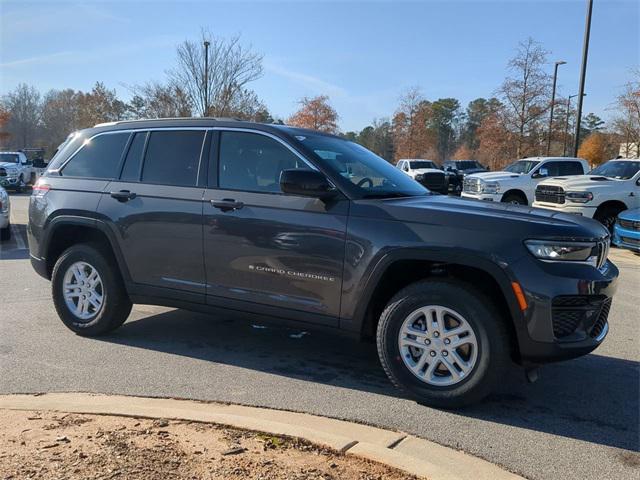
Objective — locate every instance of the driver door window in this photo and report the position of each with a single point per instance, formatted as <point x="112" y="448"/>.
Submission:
<point x="252" y="162"/>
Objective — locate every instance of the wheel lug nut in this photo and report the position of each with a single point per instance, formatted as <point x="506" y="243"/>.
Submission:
<point x="447" y="341"/>
<point x="432" y="353"/>
<point x="427" y="342"/>
<point x="436" y="334"/>
<point x="445" y="353"/>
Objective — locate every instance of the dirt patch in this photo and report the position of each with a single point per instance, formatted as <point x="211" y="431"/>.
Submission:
<point x="39" y="445"/>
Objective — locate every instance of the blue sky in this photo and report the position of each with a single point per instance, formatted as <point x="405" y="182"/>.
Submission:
<point x="362" y="54"/>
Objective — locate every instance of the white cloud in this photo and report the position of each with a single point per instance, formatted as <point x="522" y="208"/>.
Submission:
<point x="39" y="59"/>
<point x="317" y="85"/>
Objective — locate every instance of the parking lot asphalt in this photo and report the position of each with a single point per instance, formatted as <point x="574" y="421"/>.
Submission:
<point x="580" y="420"/>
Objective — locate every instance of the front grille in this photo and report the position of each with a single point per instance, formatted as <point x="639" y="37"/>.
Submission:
<point x="601" y="322"/>
<point x="550" y="194"/>
<point x="631" y="241"/>
<point x="3" y="172"/>
<point x="433" y="181"/>
<point x="629" y="224"/>
<point x="575" y="316"/>
<point x="471" y="185"/>
<point x="603" y="251"/>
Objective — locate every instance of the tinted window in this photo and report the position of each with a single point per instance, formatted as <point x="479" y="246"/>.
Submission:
<point x="553" y="168"/>
<point x="98" y="158"/>
<point x="9" y="158"/>
<point x="253" y="162"/>
<point x="131" y="170"/>
<point x="622" y="170"/>
<point x="571" y="168"/>
<point x="173" y="157"/>
<point x="521" y="166"/>
<point x="422" y="164"/>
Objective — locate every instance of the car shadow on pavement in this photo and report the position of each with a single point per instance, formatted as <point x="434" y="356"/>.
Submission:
<point x="594" y="398"/>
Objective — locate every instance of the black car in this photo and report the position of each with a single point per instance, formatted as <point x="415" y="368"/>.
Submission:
<point x="458" y="169"/>
<point x="299" y="226"/>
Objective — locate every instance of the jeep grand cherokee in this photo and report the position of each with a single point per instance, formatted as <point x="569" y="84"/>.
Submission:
<point x="301" y="226"/>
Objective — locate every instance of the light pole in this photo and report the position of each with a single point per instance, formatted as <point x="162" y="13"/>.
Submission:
<point x="566" y="125"/>
<point x="206" y="78"/>
<point x="583" y="74"/>
<point x="553" y="102"/>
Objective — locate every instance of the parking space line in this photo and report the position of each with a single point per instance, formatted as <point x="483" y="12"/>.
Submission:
<point x="18" y="236"/>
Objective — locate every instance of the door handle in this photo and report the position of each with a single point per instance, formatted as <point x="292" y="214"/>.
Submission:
<point x="123" y="195"/>
<point x="227" y="204"/>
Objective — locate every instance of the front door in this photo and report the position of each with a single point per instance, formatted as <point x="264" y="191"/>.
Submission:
<point x="266" y="251"/>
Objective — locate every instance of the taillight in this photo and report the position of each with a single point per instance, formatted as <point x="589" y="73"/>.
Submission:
<point x="40" y="188"/>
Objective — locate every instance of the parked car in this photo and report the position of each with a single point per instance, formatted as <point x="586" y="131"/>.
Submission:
<point x="517" y="182"/>
<point x="16" y="171"/>
<point x="601" y="194"/>
<point x="426" y="172"/>
<point x="179" y="212"/>
<point x="626" y="232"/>
<point x="5" y="215"/>
<point x="458" y="169"/>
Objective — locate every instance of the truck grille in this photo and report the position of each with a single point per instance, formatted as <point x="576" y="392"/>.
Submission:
<point x="550" y="194"/>
<point x="603" y="251"/>
<point x="471" y="185"/>
<point x="576" y="316"/>
<point x="433" y="181"/>
<point x="629" y="224"/>
<point x="3" y="172"/>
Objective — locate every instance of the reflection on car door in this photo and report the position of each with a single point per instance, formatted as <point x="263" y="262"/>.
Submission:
<point x="155" y="209"/>
<point x="266" y="249"/>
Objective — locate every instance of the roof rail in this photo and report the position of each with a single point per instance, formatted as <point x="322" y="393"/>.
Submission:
<point x="217" y="119"/>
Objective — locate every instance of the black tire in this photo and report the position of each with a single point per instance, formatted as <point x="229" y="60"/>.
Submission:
<point x="479" y="312"/>
<point x="116" y="304"/>
<point x="20" y="187"/>
<point x="514" y="198"/>
<point x="607" y="216"/>
<point x="5" y="233"/>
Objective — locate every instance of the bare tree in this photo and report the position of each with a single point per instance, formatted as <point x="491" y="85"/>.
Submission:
<point x="25" y="108"/>
<point x="411" y="136"/>
<point x="627" y="119"/>
<point x="231" y="67"/>
<point x="60" y="116"/>
<point x="157" y="100"/>
<point x="526" y="95"/>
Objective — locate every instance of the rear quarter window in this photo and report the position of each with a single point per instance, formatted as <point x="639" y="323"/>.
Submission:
<point x="98" y="158"/>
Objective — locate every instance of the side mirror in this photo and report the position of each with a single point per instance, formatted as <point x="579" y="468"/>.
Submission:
<point x="542" y="172"/>
<point x="306" y="183"/>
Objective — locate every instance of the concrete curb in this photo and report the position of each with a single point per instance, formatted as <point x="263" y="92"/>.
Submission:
<point x="405" y="452"/>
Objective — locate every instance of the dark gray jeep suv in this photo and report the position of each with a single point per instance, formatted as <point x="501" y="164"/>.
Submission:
<point x="301" y="226"/>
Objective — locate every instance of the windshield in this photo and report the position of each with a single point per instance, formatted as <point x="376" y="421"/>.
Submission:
<point x="521" y="166"/>
<point x="368" y="175"/>
<point x="621" y="170"/>
<point x="422" y="164"/>
<point x="467" y="164"/>
<point x="8" y="158"/>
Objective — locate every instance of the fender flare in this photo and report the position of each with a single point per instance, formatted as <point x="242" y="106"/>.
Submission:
<point x="99" y="225"/>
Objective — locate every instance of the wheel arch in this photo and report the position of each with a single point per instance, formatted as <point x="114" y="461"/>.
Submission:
<point x="614" y="203"/>
<point x="66" y="230"/>
<point x="515" y="191"/>
<point x="401" y="268"/>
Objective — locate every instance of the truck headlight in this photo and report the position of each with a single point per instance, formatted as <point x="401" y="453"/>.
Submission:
<point x="551" y="250"/>
<point x="579" y="197"/>
<point x="490" y="187"/>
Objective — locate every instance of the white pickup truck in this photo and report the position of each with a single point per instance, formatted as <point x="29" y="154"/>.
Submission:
<point x="601" y="194"/>
<point x="16" y="171"/>
<point x="517" y="182"/>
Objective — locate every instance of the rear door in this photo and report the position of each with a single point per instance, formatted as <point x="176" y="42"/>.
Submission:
<point x="266" y="251"/>
<point x="155" y="211"/>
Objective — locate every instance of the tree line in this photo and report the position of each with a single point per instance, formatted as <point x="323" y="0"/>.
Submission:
<point x="512" y="123"/>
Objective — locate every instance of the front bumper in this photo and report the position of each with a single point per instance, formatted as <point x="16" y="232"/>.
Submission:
<point x="568" y="308"/>
<point x="489" y="197"/>
<point x="9" y="182"/>
<point x="626" y="238"/>
<point x="574" y="208"/>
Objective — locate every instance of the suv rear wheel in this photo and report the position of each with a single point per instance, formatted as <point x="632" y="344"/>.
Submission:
<point x="88" y="293"/>
<point x="443" y="342"/>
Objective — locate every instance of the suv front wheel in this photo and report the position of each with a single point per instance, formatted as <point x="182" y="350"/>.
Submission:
<point x="88" y="293"/>
<point x="443" y="342"/>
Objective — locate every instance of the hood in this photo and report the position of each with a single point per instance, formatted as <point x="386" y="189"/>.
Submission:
<point x="495" y="176"/>
<point x="427" y="170"/>
<point x="633" y="215"/>
<point x="582" y="182"/>
<point x="462" y="217"/>
<point x="469" y="171"/>
<point x="8" y="164"/>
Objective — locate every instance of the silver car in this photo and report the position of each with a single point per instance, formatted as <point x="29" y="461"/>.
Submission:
<point x="5" y="215"/>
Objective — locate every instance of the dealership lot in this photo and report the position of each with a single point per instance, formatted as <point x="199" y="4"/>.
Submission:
<point x="580" y="420"/>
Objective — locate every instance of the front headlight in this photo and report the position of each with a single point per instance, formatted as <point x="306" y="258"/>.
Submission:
<point x="490" y="187"/>
<point x="579" y="197"/>
<point x="564" y="251"/>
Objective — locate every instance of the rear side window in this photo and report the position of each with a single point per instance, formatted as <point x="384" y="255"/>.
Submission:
<point x="571" y="168"/>
<point x="98" y="158"/>
<point x="131" y="170"/>
<point x="173" y="157"/>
